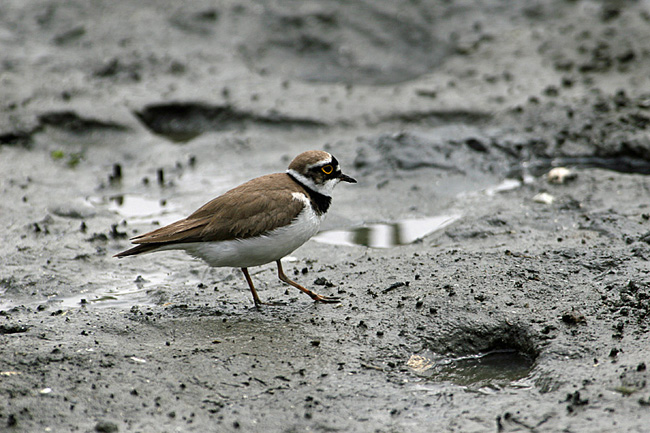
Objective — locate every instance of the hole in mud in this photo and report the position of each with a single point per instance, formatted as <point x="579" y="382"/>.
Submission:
<point x="183" y="121"/>
<point x="496" y="368"/>
<point x="477" y="354"/>
<point x="386" y="235"/>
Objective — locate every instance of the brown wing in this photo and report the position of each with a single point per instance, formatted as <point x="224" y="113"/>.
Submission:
<point x="248" y="210"/>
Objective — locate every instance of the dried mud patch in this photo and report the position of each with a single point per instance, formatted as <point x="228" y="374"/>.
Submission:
<point x="361" y="43"/>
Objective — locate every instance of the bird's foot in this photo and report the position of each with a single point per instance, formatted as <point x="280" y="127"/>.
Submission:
<point x="325" y="299"/>
<point x="260" y="304"/>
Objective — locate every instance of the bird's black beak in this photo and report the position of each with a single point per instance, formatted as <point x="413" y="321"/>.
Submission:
<point x="346" y="178"/>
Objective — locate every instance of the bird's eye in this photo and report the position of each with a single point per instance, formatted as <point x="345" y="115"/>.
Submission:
<point x="327" y="169"/>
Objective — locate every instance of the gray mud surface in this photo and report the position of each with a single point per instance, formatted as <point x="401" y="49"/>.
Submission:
<point x="523" y="312"/>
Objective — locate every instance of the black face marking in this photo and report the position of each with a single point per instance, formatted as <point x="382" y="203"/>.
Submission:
<point x="337" y="168"/>
<point x="319" y="173"/>
<point x="321" y="202"/>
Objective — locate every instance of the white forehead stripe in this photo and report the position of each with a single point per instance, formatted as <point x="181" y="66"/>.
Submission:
<point x="321" y="162"/>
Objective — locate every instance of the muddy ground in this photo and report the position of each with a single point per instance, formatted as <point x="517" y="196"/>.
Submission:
<point x="524" y="307"/>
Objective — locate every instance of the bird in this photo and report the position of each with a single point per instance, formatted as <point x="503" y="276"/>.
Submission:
<point x="258" y="222"/>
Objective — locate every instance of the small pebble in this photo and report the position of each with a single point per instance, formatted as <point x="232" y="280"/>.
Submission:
<point x="544" y="198"/>
<point x="560" y="175"/>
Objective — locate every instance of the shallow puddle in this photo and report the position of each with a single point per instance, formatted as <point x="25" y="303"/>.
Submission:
<point x="135" y="208"/>
<point x="146" y="290"/>
<point x="101" y="299"/>
<point x="495" y="369"/>
<point x="116" y="298"/>
<point x="386" y="235"/>
<point x="143" y="291"/>
<point x="132" y="206"/>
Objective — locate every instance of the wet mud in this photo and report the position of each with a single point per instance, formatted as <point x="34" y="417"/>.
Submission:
<point x="482" y="291"/>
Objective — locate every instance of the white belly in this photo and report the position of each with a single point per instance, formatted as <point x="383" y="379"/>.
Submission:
<point x="244" y="253"/>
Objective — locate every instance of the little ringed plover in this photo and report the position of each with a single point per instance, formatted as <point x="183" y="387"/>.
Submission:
<point x="258" y="222"/>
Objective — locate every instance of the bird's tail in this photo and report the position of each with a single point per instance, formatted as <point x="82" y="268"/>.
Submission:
<point x="138" y="249"/>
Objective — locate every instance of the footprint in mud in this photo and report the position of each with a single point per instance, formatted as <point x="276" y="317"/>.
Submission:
<point x="477" y="355"/>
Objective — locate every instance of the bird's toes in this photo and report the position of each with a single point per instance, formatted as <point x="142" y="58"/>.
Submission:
<point x="327" y="299"/>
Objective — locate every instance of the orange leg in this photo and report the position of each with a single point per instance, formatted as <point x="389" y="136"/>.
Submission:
<point x="256" y="298"/>
<point x="316" y="297"/>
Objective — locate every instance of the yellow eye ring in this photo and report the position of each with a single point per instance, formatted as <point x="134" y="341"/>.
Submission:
<point x="327" y="169"/>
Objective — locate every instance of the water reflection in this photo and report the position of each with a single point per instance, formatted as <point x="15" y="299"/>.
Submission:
<point x="147" y="290"/>
<point x="133" y="206"/>
<point x="137" y="208"/>
<point x="496" y="368"/>
<point x="386" y="235"/>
